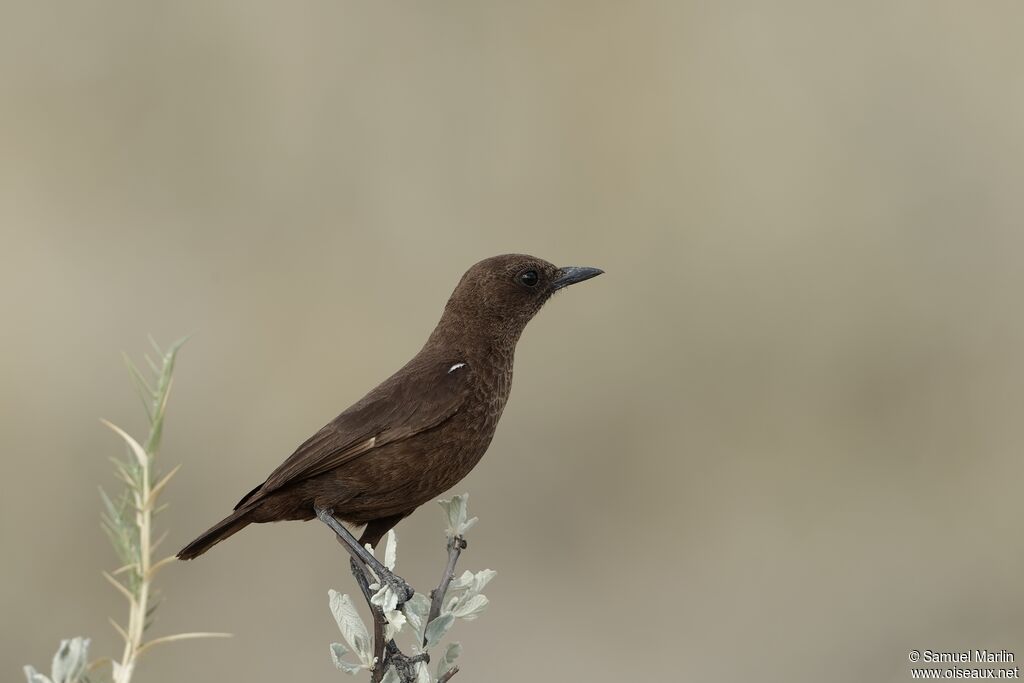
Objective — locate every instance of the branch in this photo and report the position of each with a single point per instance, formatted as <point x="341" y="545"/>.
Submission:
<point x="455" y="547"/>
<point x="429" y="618"/>
<point x="447" y="676"/>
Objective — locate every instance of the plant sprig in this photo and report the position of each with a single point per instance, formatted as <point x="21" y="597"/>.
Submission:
<point x="127" y="518"/>
<point x="129" y="521"/>
<point x="428" y="617"/>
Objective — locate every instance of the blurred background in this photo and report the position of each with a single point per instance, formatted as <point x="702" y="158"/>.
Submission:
<point x="778" y="440"/>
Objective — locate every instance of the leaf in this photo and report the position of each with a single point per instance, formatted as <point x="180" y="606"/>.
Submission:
<point x="391" y="676"/>
<point x="467" y="525"/>
<point x="337" y="652"/>
<point x="120" y="630"/>
<point x="437" y="628"/>
<point x="395" y="621"/>
<point x="480" y="580"/>
<point x="390" y="550"/>
<point x="120" y="587"/>
<point x="142" y="387"/>
<point x="385" y="598"/>
<point x="463" y="582"/>
<point x="159" y="486"/>
<point x="450" y="655"/>
<point x="416" y="611"/>
<point x="470" y="609"/>
<point x="351" y="625"/>
<point x="455" y="510"/>
<point x="422" y="672"/>
<point x="157" y="566"/>
<point x="179" y="636"/>
<point x="33" y="676"/>
<point x="71" y="660"/>
<point x="139" y="451"/>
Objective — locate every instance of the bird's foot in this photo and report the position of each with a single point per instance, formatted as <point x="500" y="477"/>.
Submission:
<point x="405" y="665"/>
<point x="402" y="590"/>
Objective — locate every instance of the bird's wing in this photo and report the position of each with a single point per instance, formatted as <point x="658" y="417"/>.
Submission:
<point x="421" y="396"/>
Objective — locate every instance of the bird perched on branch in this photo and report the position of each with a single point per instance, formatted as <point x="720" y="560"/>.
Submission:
<point x="421" y="430"/>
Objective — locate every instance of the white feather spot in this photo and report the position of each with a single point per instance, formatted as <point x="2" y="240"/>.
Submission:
<point x="455" y="367"/>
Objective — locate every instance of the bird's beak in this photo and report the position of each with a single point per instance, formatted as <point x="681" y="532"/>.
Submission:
<point x="570" y="275"/>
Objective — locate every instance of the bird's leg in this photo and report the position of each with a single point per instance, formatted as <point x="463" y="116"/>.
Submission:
<point x="387" y="577"/>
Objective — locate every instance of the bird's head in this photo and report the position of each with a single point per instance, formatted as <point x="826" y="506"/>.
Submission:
<point x="501" y="294"/>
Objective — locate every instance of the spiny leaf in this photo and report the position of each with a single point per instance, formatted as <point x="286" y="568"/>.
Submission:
<point x="142" y="388"/>
<point x="120" y="587"/>
<point x="180" y="636"/>
<point x="157" y="566"/>
<point x="120" y="631"/>
<point x="159" y="486"/>
<point x="140" y="453"/>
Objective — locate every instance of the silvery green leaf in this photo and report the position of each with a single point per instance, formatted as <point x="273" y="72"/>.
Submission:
<point x="455" y="510"/>
<point x="391" y="676"/>
<point x="468" y="524"/>
<point x="337" y="652"/>
<point x="422" y="673"/>
<point x="416" y="611"/>
<point x="463" y="582"/>
<point x="437" y="628"/>
<point x="472" y="583"/>
<point x="33" y="676"/>
<point x="351" y="626"/>
<point x="450" y="655"/>
<point x="391" y="550"/>
<point x="395" y="621"/>
<point x="70" y="661"/>
<point x="385" y="598"/>
<point x="470" y="609"/>
<point x="481" y="579"/>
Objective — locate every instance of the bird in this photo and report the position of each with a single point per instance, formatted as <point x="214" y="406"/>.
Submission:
<point x="420" y="431"/>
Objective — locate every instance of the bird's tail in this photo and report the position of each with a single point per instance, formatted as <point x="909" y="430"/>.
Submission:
<point x="235" y="522"/>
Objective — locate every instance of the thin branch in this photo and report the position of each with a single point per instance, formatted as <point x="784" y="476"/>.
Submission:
<point x="455" y="547"/>
<point x="362" y="576"/>
<point x="447" y="675"/>
<point x="425" y="617"/>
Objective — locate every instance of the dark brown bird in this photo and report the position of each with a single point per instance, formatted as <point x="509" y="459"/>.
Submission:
<point x="421" y="430"/>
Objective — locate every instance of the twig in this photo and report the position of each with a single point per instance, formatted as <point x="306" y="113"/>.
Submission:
<point x="387" y="653"/>
<point x="132" y="529"/>
<point x="386" y="660"/>
<point x="359" y="571"/>
<point x="455" y="547"/>
<point x="447" y="675"/>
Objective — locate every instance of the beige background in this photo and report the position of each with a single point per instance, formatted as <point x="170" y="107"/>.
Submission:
<point x="779" y="440"/>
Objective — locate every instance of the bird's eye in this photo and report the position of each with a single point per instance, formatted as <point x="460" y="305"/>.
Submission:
<point x="529" y="278"/>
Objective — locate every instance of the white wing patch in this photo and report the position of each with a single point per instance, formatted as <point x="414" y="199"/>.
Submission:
<point x="455" y="367"/>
